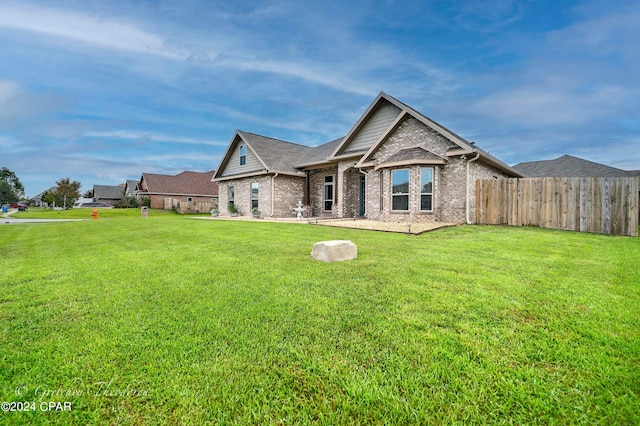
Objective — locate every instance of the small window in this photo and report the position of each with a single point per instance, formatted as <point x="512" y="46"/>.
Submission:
<point x="232" y="195"/>
<point x="189" y="199"/>
<point x="254" y="195"/>
<point x="243" y="155"/>
<point x="381" y="190"/>
<point x="400" y="189"/>
<point x="328" y="193"/>
<point x="426" y="189"/>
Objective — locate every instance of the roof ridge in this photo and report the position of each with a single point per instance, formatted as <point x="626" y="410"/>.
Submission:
<point x="269" y="137"/>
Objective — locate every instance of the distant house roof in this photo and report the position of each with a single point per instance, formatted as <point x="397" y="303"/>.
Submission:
<point x="185" y="183"/>
<point x="39" y="196"/>
<point x="130" y="187"/>
<point x="570" y="166"/>
<point x="108" y="192"/>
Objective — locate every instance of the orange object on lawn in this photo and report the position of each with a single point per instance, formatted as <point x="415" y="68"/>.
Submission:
<point x="94" y="214"/>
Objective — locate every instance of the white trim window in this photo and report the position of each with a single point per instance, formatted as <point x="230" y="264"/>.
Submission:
<point x="426" y="189"/>
<point x="400" y="190"/>
<point x="254" y="195"/>
<point x="381" y="190"/>
<point x="243" y="155"/>
<point x="329" y="192"/>
<point x="232" y="195"/>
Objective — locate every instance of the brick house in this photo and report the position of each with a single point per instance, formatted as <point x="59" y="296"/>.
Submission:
<point x="108" y="194"/>
<point x="186" y="188"/>
<point x="395" y="164"/>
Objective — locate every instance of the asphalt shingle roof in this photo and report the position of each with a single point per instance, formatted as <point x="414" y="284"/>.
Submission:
<point x="107" y="192"/>
<point x="186" y="183"/>
<point x="276" y="154"/>
<point x="570" y="166"/>
<point x="322" y="152"/>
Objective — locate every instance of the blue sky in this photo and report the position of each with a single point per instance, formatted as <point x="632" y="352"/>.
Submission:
<point x="101" y="91"/>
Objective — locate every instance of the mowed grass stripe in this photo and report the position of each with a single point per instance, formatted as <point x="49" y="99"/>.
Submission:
<point x="233" y="322"/>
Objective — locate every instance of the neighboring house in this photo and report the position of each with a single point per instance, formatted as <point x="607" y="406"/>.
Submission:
<point x="395" y="164"/>
<point x="569" y="166"/>
<point x="131" y="188"/>
<point x="165" y="191"/>
<point x="37" y="200"/>
<point x="82" y="200"/>
<point x="108" y="194"/>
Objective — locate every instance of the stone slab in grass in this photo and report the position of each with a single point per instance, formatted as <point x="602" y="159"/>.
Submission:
<point x="334" y="251"/>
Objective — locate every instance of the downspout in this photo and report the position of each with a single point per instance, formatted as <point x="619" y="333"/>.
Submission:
<point x="273" y="188"/>
<point x="467" y="201"/>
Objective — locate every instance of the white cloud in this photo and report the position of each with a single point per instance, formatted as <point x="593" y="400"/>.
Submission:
<point x="152" y="136"/>
<point x="536" y="105"/>
<point x="19" y="106"/>
<point x="602" y="35"/>
<point x="85" y="28"/>
<point x="8" y="90"/>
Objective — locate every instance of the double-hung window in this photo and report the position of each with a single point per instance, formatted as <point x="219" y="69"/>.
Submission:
<point x="254" y="195"/>
<point x="426" y="188"/>
<point x="232" y="195"/>
<point x="400" y="189"/>
<point x="328" y="193"/>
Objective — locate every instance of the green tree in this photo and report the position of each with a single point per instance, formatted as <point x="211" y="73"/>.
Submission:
<point x="49" y="198"/>
<point x="11" y="189"/>
<point x="67" y="192"/>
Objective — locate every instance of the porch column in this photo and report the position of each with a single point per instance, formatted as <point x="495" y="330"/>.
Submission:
<point x="340" y="192"/>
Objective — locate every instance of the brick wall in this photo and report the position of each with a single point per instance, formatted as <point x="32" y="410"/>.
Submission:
<point x="288" y="190"/>
<point x="316" y="190"/>
<point x="449" y="180"/>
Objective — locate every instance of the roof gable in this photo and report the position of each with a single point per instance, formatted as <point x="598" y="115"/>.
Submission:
<point x="232" y="164"/>
<point x="367" y="130"/>
<point x="461" y="146"/>
<point x="269" y="155"/>
<point x="373" y="115"/>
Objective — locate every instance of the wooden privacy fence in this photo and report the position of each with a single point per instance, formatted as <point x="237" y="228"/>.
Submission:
<point x="193" y="207"/>
<point x="601" y="205"/>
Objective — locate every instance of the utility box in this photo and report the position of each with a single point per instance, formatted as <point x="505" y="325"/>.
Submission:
<point x="144" y="211"/>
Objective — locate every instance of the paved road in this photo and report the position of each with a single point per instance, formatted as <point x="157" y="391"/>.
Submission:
<point x="6" y="219"/>
<point x="9" y="221"/>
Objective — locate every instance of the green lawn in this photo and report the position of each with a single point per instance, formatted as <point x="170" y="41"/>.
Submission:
<point x="183" y="321"/>
<point x="83" y="213"/>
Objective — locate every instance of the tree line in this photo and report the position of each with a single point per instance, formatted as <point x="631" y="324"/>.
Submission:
<point x="65" y="193"/>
